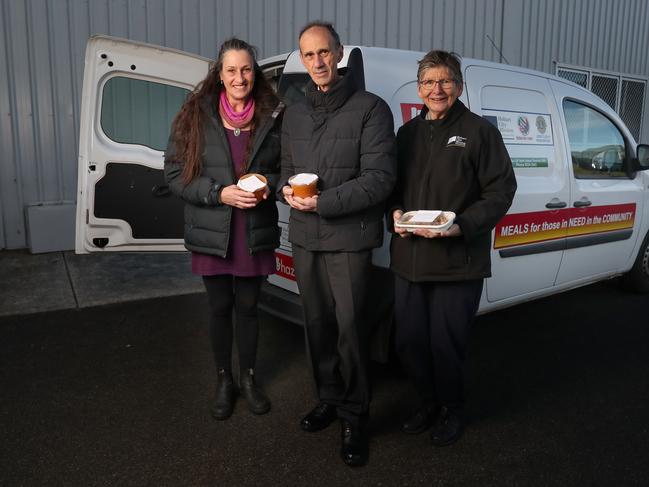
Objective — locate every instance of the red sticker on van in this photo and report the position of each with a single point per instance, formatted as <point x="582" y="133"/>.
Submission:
<point x="410" y="110"/>
<point x="540" y="226"/>
<point x="284" y="266"/>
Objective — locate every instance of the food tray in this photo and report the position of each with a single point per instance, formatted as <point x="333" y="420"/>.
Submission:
<point x="424" y="219"/>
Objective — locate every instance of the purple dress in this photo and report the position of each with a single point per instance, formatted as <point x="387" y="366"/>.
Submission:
<point x="238" y="261"/>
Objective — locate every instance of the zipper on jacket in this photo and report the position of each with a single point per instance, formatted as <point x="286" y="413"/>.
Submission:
<point x="262" y="132"/>
<point x="426" y="172"/>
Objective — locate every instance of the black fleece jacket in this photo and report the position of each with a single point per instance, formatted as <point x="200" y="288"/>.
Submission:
<point x="346" y="137"/>
<point x="458" y="164"/>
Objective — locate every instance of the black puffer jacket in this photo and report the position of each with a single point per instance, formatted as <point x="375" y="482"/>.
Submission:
<point x="346" y="137"/>
<point x="458" y="163"/>
<point x="207" y="221"/>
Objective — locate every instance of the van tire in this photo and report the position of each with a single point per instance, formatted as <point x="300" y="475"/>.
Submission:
<point x="637" y="279"/>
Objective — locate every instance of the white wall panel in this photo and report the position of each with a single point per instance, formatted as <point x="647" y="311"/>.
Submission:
<point x="42" y="49"/>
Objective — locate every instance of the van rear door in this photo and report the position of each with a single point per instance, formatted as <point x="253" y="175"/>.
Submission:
<point x="131" y="93"/>
<point x="528" y="242"/>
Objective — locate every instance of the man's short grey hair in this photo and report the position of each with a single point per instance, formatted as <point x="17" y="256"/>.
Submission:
<point x="325" y="25"/>
<point x="435" y="59"/>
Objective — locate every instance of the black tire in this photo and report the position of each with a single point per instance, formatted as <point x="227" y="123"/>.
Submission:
<point x="637" y="279"/>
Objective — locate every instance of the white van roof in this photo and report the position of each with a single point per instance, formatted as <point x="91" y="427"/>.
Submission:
<point x="386" y="70"/>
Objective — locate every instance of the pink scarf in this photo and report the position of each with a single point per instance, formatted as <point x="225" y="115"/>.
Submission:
<point x="236" y="119"/>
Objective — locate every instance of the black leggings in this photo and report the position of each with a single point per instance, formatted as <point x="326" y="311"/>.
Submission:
<point x="223" y="293"/>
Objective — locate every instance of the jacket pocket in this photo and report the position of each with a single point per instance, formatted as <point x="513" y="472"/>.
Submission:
<point x="456" y="253"/>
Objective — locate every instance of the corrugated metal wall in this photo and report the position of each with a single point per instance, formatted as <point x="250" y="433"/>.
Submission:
<point x="43" y="42"/>
<point x="600" y="34"/>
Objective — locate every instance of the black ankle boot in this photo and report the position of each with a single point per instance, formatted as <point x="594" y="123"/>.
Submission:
<point x="258" y="402"/>
<point x="447" y="427"/>
<point x="224" y="400"/>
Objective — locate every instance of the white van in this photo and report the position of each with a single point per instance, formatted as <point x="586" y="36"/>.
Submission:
<point x="580" y="215"/>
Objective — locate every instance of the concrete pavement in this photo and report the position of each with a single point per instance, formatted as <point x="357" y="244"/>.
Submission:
<point x="33" y="283"/>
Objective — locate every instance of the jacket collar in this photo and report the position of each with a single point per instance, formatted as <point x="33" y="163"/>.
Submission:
<point x="335" y="97"/>
<point x="263" y="129"/>
<point x="456" y="110"/>
<point x="208" y="106"/>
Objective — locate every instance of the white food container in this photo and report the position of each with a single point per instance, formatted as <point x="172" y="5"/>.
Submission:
<point x="424" y="219"/>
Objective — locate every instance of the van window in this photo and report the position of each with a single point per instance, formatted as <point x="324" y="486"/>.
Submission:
<point x="292" y="87"/>
<point x="272" y="75"/>
<point x="596" y="144"/>
<point x="134" y="111"/>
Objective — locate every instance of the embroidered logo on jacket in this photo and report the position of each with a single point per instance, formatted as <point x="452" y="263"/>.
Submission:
<point x="456" y="141"/>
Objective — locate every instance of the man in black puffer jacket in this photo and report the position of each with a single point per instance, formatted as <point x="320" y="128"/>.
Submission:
<point x="345" y="136"/>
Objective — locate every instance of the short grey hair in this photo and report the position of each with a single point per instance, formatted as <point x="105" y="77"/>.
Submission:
<point x="435" y="59"/>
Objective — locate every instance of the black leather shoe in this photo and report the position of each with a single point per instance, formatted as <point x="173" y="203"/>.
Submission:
<point x="447" y="427"/>
<point x="322" y="416"/>
<point x="258" y="402"/>
<point x="354" y="446"/>
<point x="419" y="422"/>
<point x="224" y="400"/>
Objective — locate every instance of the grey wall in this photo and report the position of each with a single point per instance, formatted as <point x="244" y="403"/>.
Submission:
<point x="43" y="41"/>
<point x="601" y="34"/>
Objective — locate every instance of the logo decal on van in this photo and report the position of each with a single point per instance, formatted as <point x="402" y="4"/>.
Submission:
<point x="284" y="266"/>
<point x="540" y="226"/>
<point x="523" y="125"/>
<point x="516" y="129"/>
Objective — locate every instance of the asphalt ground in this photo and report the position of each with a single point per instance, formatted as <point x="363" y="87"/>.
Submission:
<point x="119" y="395"/>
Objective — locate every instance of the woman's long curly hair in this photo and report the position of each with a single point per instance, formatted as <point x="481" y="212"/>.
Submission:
<point x="188" y="126"/>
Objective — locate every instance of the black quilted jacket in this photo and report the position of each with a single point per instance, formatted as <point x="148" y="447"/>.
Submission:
<point x="207" y="222"/>
<point x="346" y="137"/>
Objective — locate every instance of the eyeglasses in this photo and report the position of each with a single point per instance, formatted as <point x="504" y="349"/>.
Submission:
<point x="429" y="84"/>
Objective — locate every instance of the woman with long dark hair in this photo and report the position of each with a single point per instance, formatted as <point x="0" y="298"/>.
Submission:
<point x="229" y="127"/>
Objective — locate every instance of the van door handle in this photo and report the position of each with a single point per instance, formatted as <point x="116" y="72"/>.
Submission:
<point x="582" y="202"/>
<point x="556" y="203"/>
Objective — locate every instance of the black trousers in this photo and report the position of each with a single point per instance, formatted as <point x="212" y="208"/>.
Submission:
<point x="333" y="290"/>
<point x="433" y="321"/>
<point x="225" y="293"/>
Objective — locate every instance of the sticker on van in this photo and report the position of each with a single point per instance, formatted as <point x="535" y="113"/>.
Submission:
<point x="284" y="265"/>
<point x="410" y="110"/>
<point x="541" y="226"/>
<point x="528" y="162"/>
<point x="521" y="127"/>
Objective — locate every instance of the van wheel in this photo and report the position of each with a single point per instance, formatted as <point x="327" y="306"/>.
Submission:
<point x="637" y="279"/>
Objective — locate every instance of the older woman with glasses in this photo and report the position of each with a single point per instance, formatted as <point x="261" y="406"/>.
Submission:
<point x="448" y="159"/>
